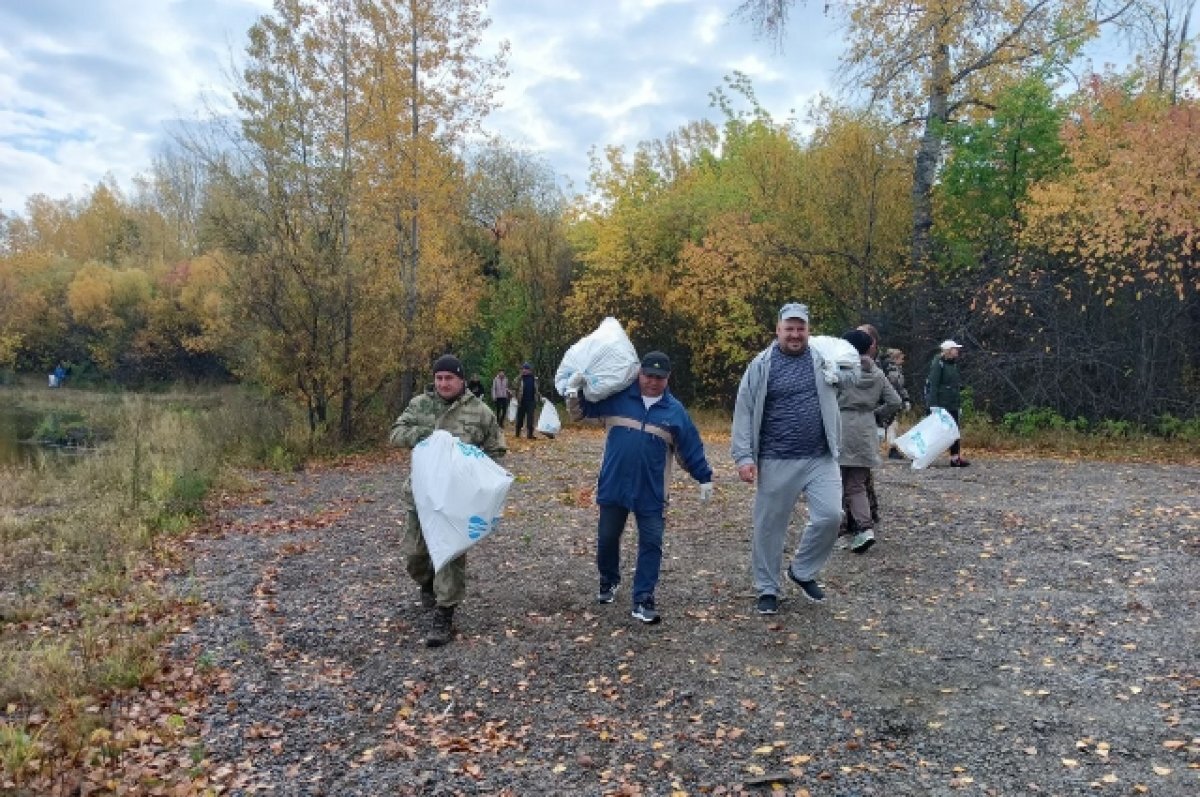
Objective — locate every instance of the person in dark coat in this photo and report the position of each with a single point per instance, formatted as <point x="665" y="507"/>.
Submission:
<point x="943" y="388"/>
<point x="528" y="399"/>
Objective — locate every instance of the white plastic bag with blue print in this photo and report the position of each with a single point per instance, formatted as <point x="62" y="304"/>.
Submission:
<point x="606" y="358"/>
<point x="548" y="421"/>
<point x="929" y="439"/>
<point x="459" y="492"/>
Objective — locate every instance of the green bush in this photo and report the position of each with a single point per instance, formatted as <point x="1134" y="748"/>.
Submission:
<point x="59" y="428"/>
<point x="1173" y="428"/>
<point x="1028" y="423"/>
<point x="1111" y="428"/>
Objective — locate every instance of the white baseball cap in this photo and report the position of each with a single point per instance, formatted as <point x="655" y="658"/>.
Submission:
<point x="949" y="344"/>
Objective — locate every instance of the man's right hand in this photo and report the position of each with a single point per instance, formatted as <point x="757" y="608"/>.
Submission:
<point x="748" y="472"/>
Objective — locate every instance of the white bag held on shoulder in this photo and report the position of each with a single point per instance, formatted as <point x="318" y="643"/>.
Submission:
<point x="548" y="422"/>
<point x="839" y="354"/>
<point x="926" y="441"/>
<point x="459" y="492"/>
<point x="838" y="351"/>
<point x="606" y="358"/>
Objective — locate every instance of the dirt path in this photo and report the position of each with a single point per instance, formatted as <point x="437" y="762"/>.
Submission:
<point x="1021" y="627"/>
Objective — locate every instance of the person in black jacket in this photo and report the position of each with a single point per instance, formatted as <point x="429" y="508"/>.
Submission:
<point x="943" y="388"/>
<point x="528" y="398"/>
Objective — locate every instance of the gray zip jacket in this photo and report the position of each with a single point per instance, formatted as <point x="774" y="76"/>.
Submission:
<point x="752" y="397"/>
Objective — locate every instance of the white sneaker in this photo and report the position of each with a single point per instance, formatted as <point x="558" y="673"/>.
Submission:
<point x="862" y="541"/>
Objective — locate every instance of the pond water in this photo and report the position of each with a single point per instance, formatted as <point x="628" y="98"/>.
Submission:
<point x="17" y="426"/>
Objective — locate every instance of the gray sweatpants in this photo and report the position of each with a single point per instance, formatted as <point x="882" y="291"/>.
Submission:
<point x="780" y="483"/>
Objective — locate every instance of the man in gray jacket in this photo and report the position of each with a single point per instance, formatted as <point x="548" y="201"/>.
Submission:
<point x="786" y="433"/>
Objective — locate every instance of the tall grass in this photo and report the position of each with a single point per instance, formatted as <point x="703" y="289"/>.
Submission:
<point x="77" y="622"/>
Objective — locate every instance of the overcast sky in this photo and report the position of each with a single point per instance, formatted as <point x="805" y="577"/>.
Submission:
<point x="91" y="87"/>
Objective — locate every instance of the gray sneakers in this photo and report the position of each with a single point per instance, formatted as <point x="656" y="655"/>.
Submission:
<point x="862" y="541"/>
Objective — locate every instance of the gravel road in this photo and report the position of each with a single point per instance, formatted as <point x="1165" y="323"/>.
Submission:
<point x="1022" y="626"/>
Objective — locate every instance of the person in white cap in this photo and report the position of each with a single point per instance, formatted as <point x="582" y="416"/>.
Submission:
<point x="943" y="388"/>
<point x="785" y="439"/>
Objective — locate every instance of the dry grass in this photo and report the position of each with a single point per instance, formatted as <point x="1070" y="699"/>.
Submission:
<point x="80" y="615"/>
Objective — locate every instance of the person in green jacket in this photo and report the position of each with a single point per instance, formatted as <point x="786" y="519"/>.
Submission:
<point x="943" y="388"/>
<point x="449" y="406"/>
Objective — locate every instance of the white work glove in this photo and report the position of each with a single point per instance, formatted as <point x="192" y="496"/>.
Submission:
<point x="706" y="491"/>
<point x="575" y="383"/>
<point x="831" y="377"/>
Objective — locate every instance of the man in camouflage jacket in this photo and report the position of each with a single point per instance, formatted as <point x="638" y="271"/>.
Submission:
<point x="449" y="406"/>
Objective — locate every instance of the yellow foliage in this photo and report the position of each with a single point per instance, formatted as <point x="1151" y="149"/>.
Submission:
<point x="1125" y="221"/>
<point x="9" y="344"/>
<point x="90" y="297"/>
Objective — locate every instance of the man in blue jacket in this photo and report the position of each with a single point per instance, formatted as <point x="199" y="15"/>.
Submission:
<point x="647" y="426"/>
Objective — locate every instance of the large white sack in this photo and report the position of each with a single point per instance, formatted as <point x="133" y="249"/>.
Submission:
<point x="459" y="492"/>
<point x="606" y="359"/>
<point x="836" y="350"/>
<point x="548" y="422"/>
<point x="929" y="439"/>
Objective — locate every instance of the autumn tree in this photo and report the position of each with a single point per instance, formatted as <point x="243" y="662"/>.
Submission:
<point x="1099" y="315"/>
<point x="430" y="88"/>
<point x="694" y="241"/>
<point x="176" y="188"/>
<point x="339" y="210"/>
<point x="933" y="63"/>
<point x="516" y="222"/>
<point x="820" y="219"/>
<point x="84" y="285"/>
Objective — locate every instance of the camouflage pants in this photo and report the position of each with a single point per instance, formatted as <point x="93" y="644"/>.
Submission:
<point x="449" y="585"/>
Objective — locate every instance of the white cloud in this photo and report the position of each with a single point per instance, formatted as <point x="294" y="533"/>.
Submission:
<point x="708" y="25"/>
<point x="88" y="89"/>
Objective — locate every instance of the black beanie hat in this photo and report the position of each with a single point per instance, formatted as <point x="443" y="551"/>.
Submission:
<point x="448" y="362"/>
<point x="860" y="340"/>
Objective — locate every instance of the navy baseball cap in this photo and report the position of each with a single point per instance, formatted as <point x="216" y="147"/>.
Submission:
<point x="656" y="364"/>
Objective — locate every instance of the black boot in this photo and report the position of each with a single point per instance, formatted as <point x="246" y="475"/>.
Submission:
<point x="443" y="627"/>
<point x="428" y="599"/>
